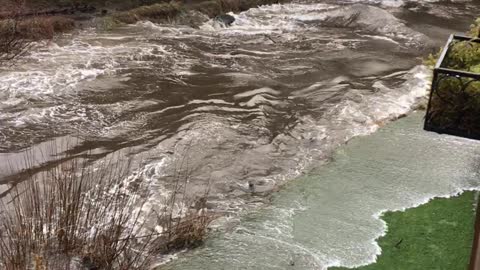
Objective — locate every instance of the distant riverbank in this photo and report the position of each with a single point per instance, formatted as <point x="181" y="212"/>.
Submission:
<point x="123" y="11"/>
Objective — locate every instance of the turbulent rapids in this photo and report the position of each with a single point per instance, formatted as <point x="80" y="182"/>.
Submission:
<point x="251" y="105"/>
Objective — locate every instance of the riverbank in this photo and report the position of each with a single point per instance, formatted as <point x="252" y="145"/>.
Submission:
<point x="436" y="235"/>
<point x="125" y="11"/>
<point x="23" y="24"/>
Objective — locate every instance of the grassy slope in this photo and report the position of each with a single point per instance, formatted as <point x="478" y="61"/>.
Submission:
<point x="437" y="235"/>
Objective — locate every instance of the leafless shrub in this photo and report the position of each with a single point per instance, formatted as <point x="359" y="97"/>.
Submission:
<point x="157" y="13"/>
<point x="17" y="33"/>
<point x="12" y="43"/>
<point x="189" y="230"/>
<point x="75" y="216"/>
<point x="43" y="27"/>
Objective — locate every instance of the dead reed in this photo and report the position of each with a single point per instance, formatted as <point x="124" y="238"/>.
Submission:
<point x="76" y="216"/>
<point x="157" y="13"/>
<point x="18" y="33"/>
<point x="168" y="11"/>
<point x="11" y="43"/>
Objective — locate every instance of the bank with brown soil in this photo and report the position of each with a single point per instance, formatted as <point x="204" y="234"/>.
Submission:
<point x="24" y="23"/>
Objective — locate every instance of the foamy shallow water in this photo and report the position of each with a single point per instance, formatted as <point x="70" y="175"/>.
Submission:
<point x="331" y="216"/>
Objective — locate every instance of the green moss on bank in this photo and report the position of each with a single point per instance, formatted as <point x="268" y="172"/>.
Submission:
<point x="436" y="235"/>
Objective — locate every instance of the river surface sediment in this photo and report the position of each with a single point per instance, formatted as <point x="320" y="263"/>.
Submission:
<point x="255" y="104"/>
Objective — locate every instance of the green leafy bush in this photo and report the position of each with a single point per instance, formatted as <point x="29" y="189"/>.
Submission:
<point x="475" y="29"/>
<point x="455" y="103"/>
<point x="464" y="55"/>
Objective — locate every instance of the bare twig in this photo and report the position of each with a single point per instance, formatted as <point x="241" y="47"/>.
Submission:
<point x="74" y="211"/>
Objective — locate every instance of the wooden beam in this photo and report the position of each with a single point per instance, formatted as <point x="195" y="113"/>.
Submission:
<point x="475" y="254"/>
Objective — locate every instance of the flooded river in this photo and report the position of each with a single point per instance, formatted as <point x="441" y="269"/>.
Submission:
<point x="330" y="217"/>
<point x="252" y="105"/>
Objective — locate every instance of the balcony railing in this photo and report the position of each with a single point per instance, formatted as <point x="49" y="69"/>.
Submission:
<point x="454" y="103"/>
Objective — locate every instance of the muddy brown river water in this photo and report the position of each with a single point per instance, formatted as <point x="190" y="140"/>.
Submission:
<point x="261" y="102"/>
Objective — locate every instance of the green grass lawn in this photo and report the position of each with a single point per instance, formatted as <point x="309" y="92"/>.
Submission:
<point x="437" y="235"/>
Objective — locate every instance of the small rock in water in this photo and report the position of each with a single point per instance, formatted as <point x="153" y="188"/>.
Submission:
<point x="225" y="19"/>
<point x="251" y="186"/>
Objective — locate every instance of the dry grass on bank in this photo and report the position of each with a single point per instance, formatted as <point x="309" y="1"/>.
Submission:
<point x="17" y="33"/>
<point x="157" y="13"/>
<point x="11" y="43"/>
<point x="166" y="12"/>
<point x="72" y="216"/>
<point x="217" y="7"/>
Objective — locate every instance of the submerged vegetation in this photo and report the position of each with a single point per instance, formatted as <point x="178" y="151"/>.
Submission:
<point x="436" y="235"/>
<point x="76" y="215"/>
<point x="455" y="101"/>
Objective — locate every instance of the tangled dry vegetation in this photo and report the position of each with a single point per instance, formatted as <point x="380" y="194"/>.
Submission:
<point x="75" y="216"/>
<point x="168" y="11"/>
<point x="12" y="43"/>
<point x="157" y="12"/>
<point x="17" y="33"/>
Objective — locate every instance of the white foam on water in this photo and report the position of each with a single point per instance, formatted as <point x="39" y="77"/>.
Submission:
<point x="54" y="73"/>
<point x="371" y="256"/>
<point x="353" y="116"/>
<point x="381" y="38"/>
<point x="377" y="250"/>
<point x="287" y="20"/>
<point x="210" y="101"/>
<point x="338" y="220"/>
<point x="153" y="199"/>
<point x="374" y="111"/>
<point x="255" y="92"/>
<point x="58" y="69"/>
<point x="385" y="3"/>
<point x="277" y="18"/>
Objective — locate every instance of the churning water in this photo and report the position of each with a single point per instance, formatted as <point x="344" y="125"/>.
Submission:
<point x="262" y="101"/>
<point x="330" y="217"/>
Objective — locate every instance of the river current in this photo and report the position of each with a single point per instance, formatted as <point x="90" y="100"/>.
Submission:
<point x="257" y="103"/>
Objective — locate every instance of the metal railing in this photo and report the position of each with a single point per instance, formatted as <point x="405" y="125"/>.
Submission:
<point x="475" y="254"/>
<point x="450" y="107"/>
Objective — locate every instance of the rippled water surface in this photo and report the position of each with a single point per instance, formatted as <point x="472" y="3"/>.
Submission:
<point x="261" y="102"/>
<point x="330" y="217"/>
